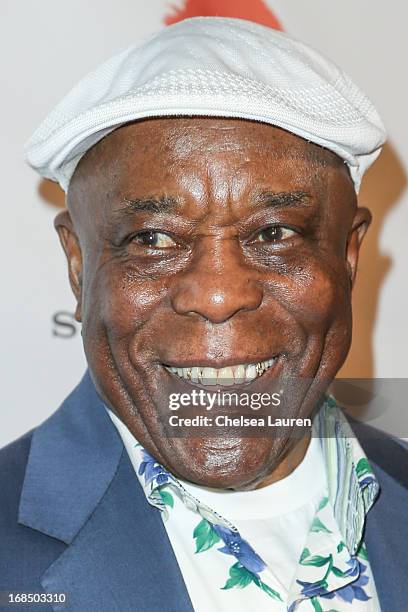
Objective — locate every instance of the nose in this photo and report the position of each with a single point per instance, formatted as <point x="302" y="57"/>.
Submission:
<point x="217" y="286"/>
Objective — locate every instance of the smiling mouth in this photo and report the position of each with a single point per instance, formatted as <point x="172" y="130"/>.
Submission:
<point x="226" y="377"/>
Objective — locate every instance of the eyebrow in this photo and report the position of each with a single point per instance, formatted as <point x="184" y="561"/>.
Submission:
<point x="164" y="204"/>
<point x="149" y="204"/>
<point x="283" y="199"/>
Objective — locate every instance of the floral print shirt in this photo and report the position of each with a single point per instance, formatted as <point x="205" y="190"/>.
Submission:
<point x="333" y="572"/>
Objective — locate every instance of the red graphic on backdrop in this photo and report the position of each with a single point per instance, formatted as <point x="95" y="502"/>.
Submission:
<point x="253" y="10"/>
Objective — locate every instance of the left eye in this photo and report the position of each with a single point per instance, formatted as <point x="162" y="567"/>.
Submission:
<point x="274" y="233"/>
<point x="156" y="240"/>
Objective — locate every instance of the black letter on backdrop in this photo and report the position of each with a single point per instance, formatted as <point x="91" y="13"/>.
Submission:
<point x="65" y="326"/>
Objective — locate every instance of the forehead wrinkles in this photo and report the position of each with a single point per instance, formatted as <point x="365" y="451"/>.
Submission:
<point x="221" y="148"/>
<point x="215" y="178"/>
<point x="238" y="136"/>
<point x="181" y="137"/>
<point x="220" y="159"/>
<point x="229" y="178"/>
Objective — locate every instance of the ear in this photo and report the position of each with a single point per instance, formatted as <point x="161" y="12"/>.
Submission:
<point x="361" y="222"/>
<point x="70" y="243"/>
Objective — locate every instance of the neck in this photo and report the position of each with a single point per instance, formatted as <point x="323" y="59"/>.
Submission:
<point x="288" y="464"/>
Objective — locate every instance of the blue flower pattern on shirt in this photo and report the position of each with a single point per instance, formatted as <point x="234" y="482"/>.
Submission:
<point x="240" y="549"/>
<point x="151" y="470"/>
<point x="354" y="590"/>
<point x="342" y="574"/>
<point x="347" y="593"/>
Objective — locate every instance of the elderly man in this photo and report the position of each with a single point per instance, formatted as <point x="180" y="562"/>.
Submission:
<point x="212" y="235"/>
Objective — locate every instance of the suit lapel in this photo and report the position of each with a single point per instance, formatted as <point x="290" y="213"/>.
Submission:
<point x="386" y="533"/>
<point x="80" y="487"/>
<point x="73" y="457"/>
<point x="122" y="558"/>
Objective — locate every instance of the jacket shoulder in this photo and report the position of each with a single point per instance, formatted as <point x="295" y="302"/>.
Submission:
<point x="13" y="461"/>
<point x="390" y="454"/>
<point x="24" y="552"/>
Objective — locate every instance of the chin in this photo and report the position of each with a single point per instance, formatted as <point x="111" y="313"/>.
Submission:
<point x="224" y="462"/>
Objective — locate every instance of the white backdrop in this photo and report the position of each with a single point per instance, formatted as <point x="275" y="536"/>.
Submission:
<point x="46" y="47"/>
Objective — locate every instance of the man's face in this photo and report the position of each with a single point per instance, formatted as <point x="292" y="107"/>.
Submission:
<point x="210" y="243"/>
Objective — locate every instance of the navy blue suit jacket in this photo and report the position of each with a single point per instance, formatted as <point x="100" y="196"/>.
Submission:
<point x="74" y="519"/>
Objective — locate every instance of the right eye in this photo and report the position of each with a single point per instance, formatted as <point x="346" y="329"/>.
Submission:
<point x="154" y="240"/>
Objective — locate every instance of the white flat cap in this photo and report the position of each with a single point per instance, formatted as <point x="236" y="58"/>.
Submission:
<point x="213" y="66"/>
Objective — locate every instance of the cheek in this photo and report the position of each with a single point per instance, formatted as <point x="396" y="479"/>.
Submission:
<point x="120" y="303"/>
<point x="318" y="294"/>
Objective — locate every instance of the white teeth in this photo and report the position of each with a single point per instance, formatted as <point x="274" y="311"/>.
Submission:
<point x="239" y="374"/>
<point x="251" y="373"/>
<point x="209" y="376"/>
<point x="226" y="375"/>
<point x="230" y="375"/>
<point x="195" y="374"/>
